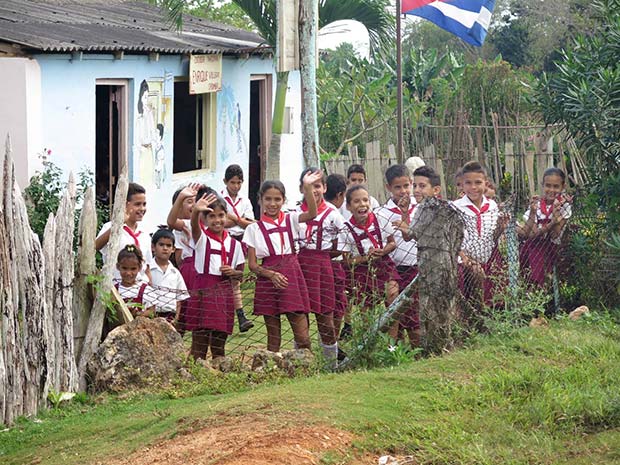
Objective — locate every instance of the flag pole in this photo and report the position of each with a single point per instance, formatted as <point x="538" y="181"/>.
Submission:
<point x="399" y="84"/>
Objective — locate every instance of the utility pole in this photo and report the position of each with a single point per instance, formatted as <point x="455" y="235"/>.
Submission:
<point x="308" y="58"/>
<point x="399" y="84"/>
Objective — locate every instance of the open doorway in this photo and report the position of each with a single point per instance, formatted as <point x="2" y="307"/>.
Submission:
<point x="110" y="137"/>
<point x="260" y="135"/>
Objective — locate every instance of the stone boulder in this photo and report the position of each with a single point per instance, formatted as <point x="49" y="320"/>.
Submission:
<point x="578" y="313"/>
<point x="135" y="355"/>
<point x="290" y="361"/>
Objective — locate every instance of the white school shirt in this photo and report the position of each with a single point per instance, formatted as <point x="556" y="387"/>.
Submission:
<point x="144" y="240"/>
<point x="215" y="260"/>
<point x="478" y="246"/>
<point x="333" y="222"/>
<point x="183" y="241"/>
<point x="253" y="237"/>
<point x="169" y="287"/>
<point x="337" y="258"/>
<point x="346" y="214"/>
<point x="406" y="252"/>
<point x="346" y="241"/>
<point x="149" y="297"/>
<point x="566" y="212"/>
<point x="242" y="207"/>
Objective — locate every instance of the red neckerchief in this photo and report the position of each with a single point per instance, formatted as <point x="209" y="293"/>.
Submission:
<point x="218" y="239"/>
<point x="310" y="224"/>
<point x="278" y="224"/>
<point x="546" y="210"/>
<point x="133" y="235"/>
<point x="233" y="205"/>
<point x="398" y="211"/>
<point x="369" y="221"/>
<point x="479" y="213"/>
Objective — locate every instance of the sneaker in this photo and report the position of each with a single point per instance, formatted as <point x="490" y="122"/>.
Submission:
<point x="244" y="324"/>
<point x="341" y="354"/>
<point x="346" y="332"/>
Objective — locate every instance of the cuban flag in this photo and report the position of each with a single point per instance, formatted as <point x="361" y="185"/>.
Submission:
<point x="467" y="19"/>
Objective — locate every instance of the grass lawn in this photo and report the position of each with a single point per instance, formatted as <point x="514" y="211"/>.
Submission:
<point x="544" y="396"/>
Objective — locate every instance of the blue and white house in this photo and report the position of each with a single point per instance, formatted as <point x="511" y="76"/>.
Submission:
<point x="93" y="85"/>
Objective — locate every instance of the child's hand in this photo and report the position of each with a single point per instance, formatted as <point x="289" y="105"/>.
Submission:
<point x="404" y="203"/>
<point x="311" y="178"/>
<point x="374" y="254"/>
<point x="227" y="270"/>
<point x="401" y="226"/>
<point x="202" y="205"/>
<point x="279" y="280"/>
<point x="502" y="220"/>
<point x="190" y="191"/>
<point x="534" y="204"/>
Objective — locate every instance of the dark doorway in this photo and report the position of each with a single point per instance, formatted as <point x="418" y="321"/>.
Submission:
<point x="255" y="169"/>
<point x="110" y="137"/>
<point x="184" y="151"/>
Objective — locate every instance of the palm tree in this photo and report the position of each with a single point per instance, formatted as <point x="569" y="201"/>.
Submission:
<point x="373" y="14"/>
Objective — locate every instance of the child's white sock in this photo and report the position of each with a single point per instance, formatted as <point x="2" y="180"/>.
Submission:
<point x="330" y="352"/>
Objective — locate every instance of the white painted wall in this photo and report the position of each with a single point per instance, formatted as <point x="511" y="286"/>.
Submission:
<point x="20" y="113"/>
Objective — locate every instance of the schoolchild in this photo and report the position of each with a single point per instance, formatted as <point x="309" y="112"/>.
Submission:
<point x="166" y="279"/>
<point x="356" y="176"/>
<point x="336" y="188"/>
<point x="545" y="221"/>
<point x="179" y="222"/>
<point x="366" y="241"/>
<point x="241" y="214"/>
<point x="280" y="288"/>
<point x="138" y="295"/>
<point x="218" y="260"/>
<point x="317" y="241"/>
<point x="479" y="256"/>
<point x="132" y="233"/>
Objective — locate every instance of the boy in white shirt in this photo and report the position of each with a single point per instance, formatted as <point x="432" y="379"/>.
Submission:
<point x="165" y="278"/>
<point x="132" y="233"/>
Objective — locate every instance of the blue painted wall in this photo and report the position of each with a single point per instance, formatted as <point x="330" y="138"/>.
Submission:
<point x="68" y="117"/>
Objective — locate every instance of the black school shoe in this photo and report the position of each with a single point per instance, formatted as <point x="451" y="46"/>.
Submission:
<point x="244" y="324"/>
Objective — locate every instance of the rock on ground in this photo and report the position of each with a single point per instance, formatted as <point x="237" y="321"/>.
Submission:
<point x="136" y="355"/>
<point x="578" y="312"/>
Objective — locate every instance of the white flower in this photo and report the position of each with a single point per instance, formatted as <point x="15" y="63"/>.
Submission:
<point x="392" y="348"/>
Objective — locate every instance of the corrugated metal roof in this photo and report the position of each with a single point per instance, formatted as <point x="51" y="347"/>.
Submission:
<point x="131" y="26"/>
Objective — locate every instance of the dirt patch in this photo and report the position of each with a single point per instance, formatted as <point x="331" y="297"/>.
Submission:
<point x="255" y="440"/>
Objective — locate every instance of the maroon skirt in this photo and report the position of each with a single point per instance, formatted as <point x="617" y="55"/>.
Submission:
<point x="340" y="279"/>
<point x="319" y="275"/>
<point x="369" y="280"/>
<point x="411" y="317"/>
<point x="493" y="283"/>
<point x="270" y="301"/>
<point x="211" y="305"/>
<point x="537" y="256"/>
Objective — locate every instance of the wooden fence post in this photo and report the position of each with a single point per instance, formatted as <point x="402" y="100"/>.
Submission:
<point x="86" y="266"/>
<point x="438" y="229"/>
<point x="95" y="322"/>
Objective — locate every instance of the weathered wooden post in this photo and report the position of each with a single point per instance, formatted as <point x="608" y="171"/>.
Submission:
<point x="308" y="32"/>
<point x="95" y="322"/>
<point x="86" y="266"/>
<point x="438" y="229"/>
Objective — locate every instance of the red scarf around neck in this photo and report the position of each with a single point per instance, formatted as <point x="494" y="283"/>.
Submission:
<point x="479" y="213"/>
<point x="369" y="222"/>
<point x="211" y="235"/>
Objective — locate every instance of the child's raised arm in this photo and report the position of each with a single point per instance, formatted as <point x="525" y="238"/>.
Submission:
<point x="173" y="216"/>
<point x="308" y="181"/>
<point x="201" y="205"/>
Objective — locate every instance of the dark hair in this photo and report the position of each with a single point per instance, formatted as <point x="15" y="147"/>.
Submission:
<point x="232" y="171"/>
<point x="473" y="167"/>
<point x="428" y="172"/>
<point x="133" y="189"/>
<point x="271" y="185"/>
<point x="355" y="168"/>
<point x="396" y="171"/>
<point x="144" y="87"/>
<point x="336" y="184"/>
<point x="162" y="233"/>
<point x="218" y="202"/>
<point x="175" y="196"/>
<point x="160" y="128"/>
<point x="312" y="169"/>
<point x="353" y="189"/>
<point x="556" y="172"/>
<point x="129" y="251"/>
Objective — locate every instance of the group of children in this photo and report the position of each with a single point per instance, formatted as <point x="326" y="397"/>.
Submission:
<point x="337" y="250"/>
